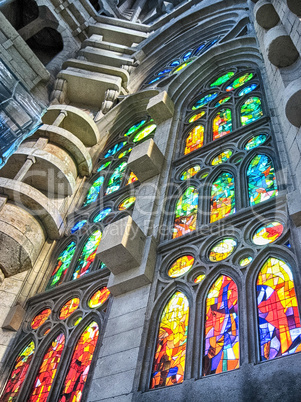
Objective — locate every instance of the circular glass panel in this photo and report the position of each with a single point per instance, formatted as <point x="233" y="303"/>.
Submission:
<point x="222" y="157"/>
<point x="187" y="174"/>
<point x="255" y="141"/>
<point x="145" y="132"/>
<point x="99" y="298"/>
<point x="268" y="233"/>
<point x="181" y="266"/>
<point x="222" y="250"/>
<point x="40" y="318"/>
<point x="78" y="226"/>
<point x="127" y="203"/>
<point x="69" y="308"/>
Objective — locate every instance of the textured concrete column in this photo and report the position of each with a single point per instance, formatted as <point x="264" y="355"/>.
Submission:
<point x="279" y="47"/>
<point x="265" y="14"/>
<point x="294" y="6"/>
<point x="292" y="102"/>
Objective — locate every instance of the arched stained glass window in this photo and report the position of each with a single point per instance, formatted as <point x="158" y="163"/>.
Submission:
<point x="62" y="265"/>
<point x="186" y="213"/>
<point x="116" y="178"/>
<point x="18" y="374"/>
<point x="47" y="371"/>
<point x="221" y="348"/>
<point x="222" y="124"/>
<point x="222" y="197"/>
<point x="279" y="322"/>
<point x="251" y="111"/>
<point x="194" y="140"/>
<point x="80" y="365"/>
<point x="88" y="255"/>
<point x="170" y="353"/>
<point x="262" y="183"/>
<point x="94" y="191"/>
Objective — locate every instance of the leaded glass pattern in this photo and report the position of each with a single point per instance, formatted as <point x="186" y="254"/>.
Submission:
<point x="194" y="140"/>
<point x="94" y="191"/>
<point x="40" y="318"/>
<point x="186" y="213"/>
<point x="62" y="265"/>
<point x="222" y="123"/>
<point x="222" y="202"/>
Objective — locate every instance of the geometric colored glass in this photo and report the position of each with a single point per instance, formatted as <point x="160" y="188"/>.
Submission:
<point x="199" y="278"/>
<point x="194" y="140"/>
<point x="102" y="167"/>
<point x="62" y="265"/>
<point x="94" y="191"/>
<point x="221" y="158"/>
<point x="124" y="153"/>
<point x="251" y="111"/>
<point x="278" y="316"/>
<point x="102" y="214"/>
<point x="247" y="90"/>
<point x="43" y="382"/>
<point x="221" y="345"/>
<point x="221" y="80"/>
<point x="262" y="183"/>
<point x="77" y="321"/>
<point x="222" y="250"/>
<point x="127" y="203"/>
<point x="181" y="67"/>
<point x="80" y="365"/>
<point x="145" y="132"/>
<point x="132" y="178"/>
<point x="196" y="117"/>
<point x="135" y="127"/>
<point x="245" y="261"/>
<point x="18" y="373"/>
<point x="268" y="233"/>
<point x="181" y="266"/>
<point x="186" y="213"/>
<point x="222" y="124"/>
<point x="169" y="360"/>
<point x="222" y="202"/>
<point x="69" y="308"/>
<point x="99" y="298"/>
<point x="87" y="255"/>
<point x="78" y="226"/>
<point x="187" y="174"/>
<point x="222" y="101"/>
<point x="239" y="81"/>
<point x="112" y="151"/>
<point x="255" y="141"/>
<point x="203" y="101"/>
<point x="116" y="178"/>
<point x="40" y="318"/>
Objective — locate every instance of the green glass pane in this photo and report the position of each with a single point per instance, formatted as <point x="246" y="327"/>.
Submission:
<point x="221" y="80"/>
<point x="255" y="141"/>
<point x="135" y="127"/>
<point x="204" y="100"/>
<point x="116" y="178"/>
<point x="251" y="111"/>
<point x="240" y="81"/>
<point x="145" y="132"/>
<point x="62" y="265"/>
<point x="94" y="191"/>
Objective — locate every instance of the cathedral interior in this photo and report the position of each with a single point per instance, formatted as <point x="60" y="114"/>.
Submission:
<point x="150" y="200"/>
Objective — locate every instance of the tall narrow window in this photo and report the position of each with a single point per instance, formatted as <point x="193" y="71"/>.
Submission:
<point x="18" y="373"/>
<point x="94" y="191"/>
<point x="279" y="322"/>
<point x="80" y="365"/>
<point x="222" y="197"/>
<point x="222" y="124"/>
<point x="194" y="140"/>
<point x="221" y="349"/>
<point x="169" y="361"/>
<point x="262" y="183"/>
<point x="47" y="371"/>
<point x="88" y="255"/>
<point x="62" y="265"/>
<point x="186" y="213"/>
<point x="251" y="111"/>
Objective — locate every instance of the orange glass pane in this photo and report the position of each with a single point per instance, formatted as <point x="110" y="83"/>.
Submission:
<point x="40" y="318"/>
<point x="69" y="308"/>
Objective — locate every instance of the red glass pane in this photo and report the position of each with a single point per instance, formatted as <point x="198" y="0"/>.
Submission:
<point x="69" y="308"/>
<point x="40" y="318"/>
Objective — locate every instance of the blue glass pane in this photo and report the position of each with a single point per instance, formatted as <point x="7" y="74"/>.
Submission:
<point x="187" y="55"/>
<point x="175" y="63"/>
<point x="78" y="226"/>
<point x="102" y="214"/>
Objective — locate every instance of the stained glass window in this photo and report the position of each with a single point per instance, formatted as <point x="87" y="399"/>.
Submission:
<point x="255" y="141"/>
<point x="181" y="266"/>
<point x="104" y="166"/>
<point x="124" y="153"/>
<point x="262" y="183"/>
<point x="88" y="255"/>
<point x="222" y="101"/>
<point x="222" y="124"/>
<point x="204" y="100"/>
<point x="127" y="203"/>
<point x="62" y="265"/>
<point x="222" y="250"/>
<point x="182" y="66"/>
<point x="135" y="127"/>
<point x="196" y="117"/>
<point x="222" y="157"/>
<point x="186" y="213"/>
<point x="94" y="191"/>
<point x="186" y="174"/>
<point x="239" y="81"/>
<point x="80" y="365"/>
<point x="251" y="111"/>
<point x="245" y="261"/>
<point x="117" y="147"/>
<point x="102" y="215"/>
<point x="145" y="132"/>
<point x="268" y="233"/>
<point x="222" y="197"/>
<point x="18" y="374"/>
<point x="199" y="278"/>
<point x="279" y="322"/>
<point x="170" y="353"/>
<point x="116" y="178"/>
<point x="194" y="140"/>
<point x="40" y="318"/>
<point x="132" y="178"/>
<point x="221" y="80"/>
<point x="78" y="225"/>
<point x="69" y="308"/>
<point x="47" y="371"/>
<point x="247" y="89"/>
<point x="221" y="346"/>
<point x="99" y="298"/>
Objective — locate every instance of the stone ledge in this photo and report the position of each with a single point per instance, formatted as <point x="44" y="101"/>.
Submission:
<point x="14" y="318"/>
<point x="160" y="107"/>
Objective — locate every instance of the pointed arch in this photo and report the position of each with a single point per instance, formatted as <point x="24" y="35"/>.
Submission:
<point x="277" y="309"/>
<point x="169" y="360"/>
<point x="251" y="110"/>
<point x="186" y="212"/>
<point x="194" y="139"/>
<point x="221" y="343"/>
<point x="222" y="198"/>
<point x="222" y="123"/>
<point x="18" y="373"/>
<point x="262" y="184"/>
<point x="79" y="367"/>
<point x="44" y="379"/>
